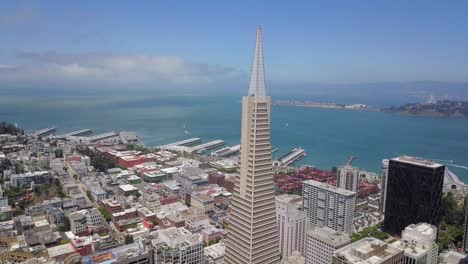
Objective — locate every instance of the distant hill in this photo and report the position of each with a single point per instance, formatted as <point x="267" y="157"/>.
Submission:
<point x="439" y="108"/>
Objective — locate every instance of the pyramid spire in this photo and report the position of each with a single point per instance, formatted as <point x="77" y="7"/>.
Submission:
<point x="257" y="85"/>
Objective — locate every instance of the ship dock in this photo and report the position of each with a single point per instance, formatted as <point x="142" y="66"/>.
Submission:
<point x="290" y="157"/>
<point x="224" y="152"/>
<point x="44" y="132"/>
<point x="82" y="132"/>
<point x="186" y="142"/>
<point x="103" y="136"/>
<point x="204" y="147"/>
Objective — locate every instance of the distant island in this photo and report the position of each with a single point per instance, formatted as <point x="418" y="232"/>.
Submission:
<point x="322" y="105"/>
<point x="432" y="109"/>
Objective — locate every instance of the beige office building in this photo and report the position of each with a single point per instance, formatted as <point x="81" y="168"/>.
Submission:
<point x="368" y="250"/>
<point x="252" y="234"/>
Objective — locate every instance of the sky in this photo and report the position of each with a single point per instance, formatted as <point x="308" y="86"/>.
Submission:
<point x="210" y="43"/>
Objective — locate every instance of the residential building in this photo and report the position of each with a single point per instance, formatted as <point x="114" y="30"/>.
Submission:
<point x="98" y="193"/>
<point x="413" y="193"/>
<point x="322" y="242"/>
<point x="136" y="252"/>
<point x="61" y="253"/>
<point x="418" y="241"/>
<point x="84" y="221"/>
<point x="24" y="180"/>
<point x="383" y="184"/>
<point x="127" y="190"/>
<point x="252" y="233"/>
<point x="292" y="224"/>
<point x="327" y="205"/>
<point x="202" y="202"/>
<point x="112" y="206"/>
<point x="177" y="245"/>
<point x="212" y="233"/>
<point x="465" y="230"/>
<point x="348" y="177"/>
<point x="6" y="213"/>
<point x="78" y="223"/>
<point x="368" y="250"/>
<point x="214" y="254"/>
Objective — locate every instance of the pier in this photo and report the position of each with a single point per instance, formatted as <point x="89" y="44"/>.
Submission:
<point x="82" y="132"/>
<point x="186" y="142"/>
<point x="224" y="152"/>
<point x="204" y="147"/>
<point x="103" y="136"/>
<point x="44" y="132"/>
<point x="290" y="157"/>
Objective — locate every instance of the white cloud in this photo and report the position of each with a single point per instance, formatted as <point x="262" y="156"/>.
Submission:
<point x="53" y="66"/>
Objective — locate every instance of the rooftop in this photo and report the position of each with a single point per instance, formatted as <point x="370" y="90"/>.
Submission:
<point x="60" y="250"/>
<point x="328" y="235"/>
<point x="174" y="237"/>
<point x="418" y="161"/>
<point x="329" y="187"/>
<point x="128" y="188"/>
<point x="367" y="251"/>
<point x="289" y="198"/>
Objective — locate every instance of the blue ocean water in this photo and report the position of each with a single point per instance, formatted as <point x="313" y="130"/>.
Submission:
<point x="328" y="135"/>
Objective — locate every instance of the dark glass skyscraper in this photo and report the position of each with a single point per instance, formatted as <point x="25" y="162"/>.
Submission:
<point x="413" y="193"/>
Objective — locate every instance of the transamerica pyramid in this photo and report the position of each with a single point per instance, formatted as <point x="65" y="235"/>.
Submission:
<point x="252" y="232"/>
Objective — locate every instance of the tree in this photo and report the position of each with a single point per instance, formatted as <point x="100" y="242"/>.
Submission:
<point x="59" y="153"/>
<point x="90" y="195"/>
<point x="7" y="128"/>
<point x="128" y="240"/>
<point x="98" y="160"/>
<point x="334" y="170"/>
<point x="105" y="213"/>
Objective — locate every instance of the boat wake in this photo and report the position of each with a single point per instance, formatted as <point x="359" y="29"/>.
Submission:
<point x="458" y="166"/>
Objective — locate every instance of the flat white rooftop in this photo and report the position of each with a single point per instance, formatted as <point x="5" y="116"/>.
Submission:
<point x="329" y="187"/>
<point x="418" y="161"/>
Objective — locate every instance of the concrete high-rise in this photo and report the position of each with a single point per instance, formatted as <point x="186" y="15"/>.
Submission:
<point x="348" y="178"/>
<point x="292" y="224"/>
<point x="322" y="242"/>
<point x="328" y="205"/>
<point x="413" y="193"/>
<point x="252" y="232"/>
<point x="383" y="185"/>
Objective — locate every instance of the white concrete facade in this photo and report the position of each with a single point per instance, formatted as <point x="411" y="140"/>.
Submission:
<point x="419" y="244"/>
<point x="292" y="224"/>
<point x="328" y="205"/>
<point x="348" y="177"/>
<point x="322" y="242"/>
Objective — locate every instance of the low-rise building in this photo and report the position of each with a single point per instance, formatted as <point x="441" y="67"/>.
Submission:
<point x="85" y="221"/>
<point x="127" y="190"/>
<point x="212" y="234"/>
<point x="368" y="250"/>
<point x="136" y="252"/>
<point x="214" y="254"/>
<point x="24" y="180"/>
<point x="98" y="193"/>
<point x="418" y="241"/>
<point x="177" y="245"/>
<point x="61" y="253"/>
<point x="203" y="202"/>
